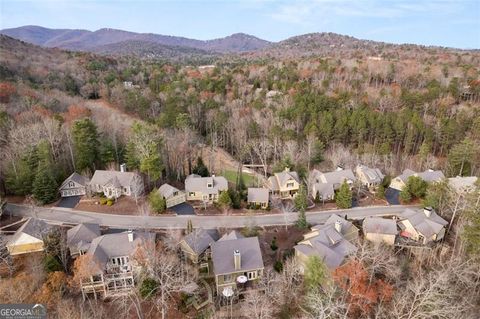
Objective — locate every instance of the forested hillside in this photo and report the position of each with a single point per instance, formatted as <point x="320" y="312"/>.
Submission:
<point x="420" y="111"/>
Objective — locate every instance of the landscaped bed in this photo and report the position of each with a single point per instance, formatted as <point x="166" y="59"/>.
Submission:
<point x="122" y="206"/>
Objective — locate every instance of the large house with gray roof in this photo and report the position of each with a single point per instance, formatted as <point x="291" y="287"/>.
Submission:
<point x="172" y="195"/>
<point x="284" y="184"/>
<point x="206" y="189"/>
<point x="463" y="184"/>
<point x="114" y="184"/>
<point x="429" y="176"/>
<point x="80" y="237"/>
<point x="258" y="197"/>
<point x="74" y="185"/>
<point x="324" y="185"/>
<point x="330" y="241"/>
<point x="235" y="259"/>
<point x="28" y="238"/>
<point x="113" y="269"/>
<point x="380" y="230"/>
<point x="196" y="245"/>
<point x="422" y="226"/>
<point x="371" y="178"/>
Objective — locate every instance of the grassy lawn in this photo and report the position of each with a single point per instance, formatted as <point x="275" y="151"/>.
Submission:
<point x="231" y="176"/>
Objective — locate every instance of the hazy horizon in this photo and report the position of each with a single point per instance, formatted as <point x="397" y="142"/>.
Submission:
<point x="388" y="21"/>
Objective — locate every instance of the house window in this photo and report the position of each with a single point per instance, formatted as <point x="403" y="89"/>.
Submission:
<point x="252" y="275"/>
<point x="227" y="278"/>
<point x="289" y="185"/>
<point x="191" y="194"/>
<point x="71" y="184"/>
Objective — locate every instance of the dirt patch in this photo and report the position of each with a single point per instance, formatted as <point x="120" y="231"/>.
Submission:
<point x="122" y="206"/>
<point x="8" y="220"/>
<point x="15" y="199"/>
<point x="368" y="201"/>
<point x="285" y="239"/>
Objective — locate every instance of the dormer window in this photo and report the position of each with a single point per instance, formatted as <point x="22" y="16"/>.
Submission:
<point x="210" y="185"/>
<point x="290" y="184"/>
<point x="71" y="184"/>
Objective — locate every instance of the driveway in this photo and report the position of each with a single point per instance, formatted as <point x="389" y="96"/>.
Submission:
<point x="59" y="216"/>
<point x="391" y="195"/>
<point x="183" y="209"/>
<point x="69" y="202"/>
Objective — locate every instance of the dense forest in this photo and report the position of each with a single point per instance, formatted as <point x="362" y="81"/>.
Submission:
<point x="393" y="112"/>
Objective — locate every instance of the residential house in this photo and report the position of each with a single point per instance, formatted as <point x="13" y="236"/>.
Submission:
<point x="80" y="237"/>
<point x="74" y="185"/>
<point x="285" y="184"/>
<point x="369" y="177"/>
<point x="234" y="258"/>
<point x="258" y="197"/>
<point x="463" y="185"/>
<point x="324" y="185"/>
<point x="28" y="238"/>
<point x="196" y="245"/>
<point x="380" y="230"/>
<point x="429" y="176"/>
<point x="172" y="195"/>
<point x="114" y="268"/>
<point x="330" y="242"/>
<point x="114" y="184"/>
<point x="422" y="226"/>
<point x="205" y="189"/>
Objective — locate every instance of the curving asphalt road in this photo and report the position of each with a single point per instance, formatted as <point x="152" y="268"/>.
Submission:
<point x="59" y="216"/>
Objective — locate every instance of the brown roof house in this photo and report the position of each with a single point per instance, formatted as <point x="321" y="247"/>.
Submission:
<point x="206" y="189"/>
<point x="285" y="184"/>
<point x="369" y="177"/>
<point x="422" y="226"/>
<point x="196" y="245"/>
<point x="80" y="237"/>
<point x="380" y="230"/>
<point x="258" y="197"/>
<point x="330" y="242"/>
<point x="74" y="185"/>
<point x="28" y="238"/>
<point x="172" y="195"/>
<point x="114" y="268"/>
<point x="429" y="176"/>
<point x="324" y="185"/>
<point x="114" y="184"/>
<point x="236" y="259"/>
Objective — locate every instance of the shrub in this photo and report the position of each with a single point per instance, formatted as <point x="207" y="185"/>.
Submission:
<point x="148" y="287"/>
<point x="51" y="264"/>
<point x="278" y="266"/>
<point x="103" y="201"/>
<point x="273" y="245"/>
<point x="157" y="202"/>
<point x="109" y="202"/>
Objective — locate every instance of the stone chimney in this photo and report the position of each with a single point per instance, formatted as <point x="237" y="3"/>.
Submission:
<point x="123" y="167"/>
<point x="237" y="259"/>
<point x="427" y="211"/>
<point x="130" y="236"/>
<point x="338" y="226"/>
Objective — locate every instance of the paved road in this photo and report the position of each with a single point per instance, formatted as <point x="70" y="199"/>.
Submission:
<point x="58" y="215"/>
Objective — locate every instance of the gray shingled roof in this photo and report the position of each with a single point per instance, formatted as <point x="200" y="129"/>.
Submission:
<point x="83" y="234"/>
<point x="258" y="195"/>
<point x="281" y="178"/>
<point x="167" y="190"/>
<point x="460" y="183"/>
<point x="378" y="225"/>
<point x="406" y="174"/>
<point x="196" y="183"/>
<point x="77" y="178"/>
<point x="222" y="255"/>
<point x="116" y="245"/>
<point x="373" y="175"/>
<point x="33" y="227"/>
<point x="199" y="239"/>
<point x="427" y="226"/>
<point x="337" y="177"/>
<point x="329" y="245"/>
<point x="431" y="176"/>
<point x="115" y="178"/>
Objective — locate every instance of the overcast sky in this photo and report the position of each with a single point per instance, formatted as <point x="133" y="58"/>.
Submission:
<point x="454" y="23"/>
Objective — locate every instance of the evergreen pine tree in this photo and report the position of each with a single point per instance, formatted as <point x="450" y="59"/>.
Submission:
<point x="343" y="197"/>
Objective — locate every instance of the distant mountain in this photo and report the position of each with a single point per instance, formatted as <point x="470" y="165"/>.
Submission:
<point x="91" y="41"/>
